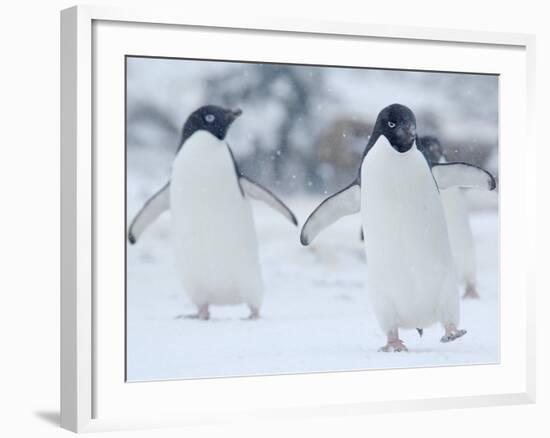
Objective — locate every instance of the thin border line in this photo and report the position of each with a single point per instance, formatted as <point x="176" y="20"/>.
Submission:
<point x="125" y="234"/>
<point x="351" y="67"/>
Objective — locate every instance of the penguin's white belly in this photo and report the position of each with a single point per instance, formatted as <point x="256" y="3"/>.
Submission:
<point x="411" y="276"/>
<point x="460" y="233"/>
<point x="213" y="228"/>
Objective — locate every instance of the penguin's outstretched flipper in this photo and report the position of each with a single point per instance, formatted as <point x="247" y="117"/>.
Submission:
<point x="255" y="191"/>
<point x="151" y="210"/>
<point x="462" y="175"/>
<point x="342" y="203"/>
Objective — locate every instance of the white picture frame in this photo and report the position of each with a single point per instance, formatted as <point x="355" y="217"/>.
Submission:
<point x="93" y="397"/>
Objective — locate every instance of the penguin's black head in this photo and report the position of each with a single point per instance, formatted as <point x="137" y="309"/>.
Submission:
<point x="398" y="124"/>
<point x="431" y="148"/>
<point x="210" y="118"/>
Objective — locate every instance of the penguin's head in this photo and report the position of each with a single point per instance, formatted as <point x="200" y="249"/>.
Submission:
<point x="398" y="124"/>
<point x="211" y="118"/>
<point x="431" y="148"/>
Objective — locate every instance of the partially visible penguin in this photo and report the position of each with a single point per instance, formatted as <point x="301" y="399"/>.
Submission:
<point x="411" y="277"/>
<point x="213" y="228"/>
<point x="458" y="223"/>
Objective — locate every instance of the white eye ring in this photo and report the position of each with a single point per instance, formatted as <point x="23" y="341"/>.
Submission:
<point x="391" y="125"/>
<point x="209" y="118"/>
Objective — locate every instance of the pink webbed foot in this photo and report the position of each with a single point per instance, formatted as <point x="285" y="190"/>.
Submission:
<point x="394" y="343"/>
<point x="452" y="333"/>
<point x="396" y="346"/>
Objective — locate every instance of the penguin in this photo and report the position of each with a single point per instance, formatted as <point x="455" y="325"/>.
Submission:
<point x="458" y="223"/>
<point x="212" y="226"/>
<point x="411" y="277"/>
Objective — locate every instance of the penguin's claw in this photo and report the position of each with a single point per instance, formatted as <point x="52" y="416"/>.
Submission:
<point x="453" y="335"/>
<point x="254" y="315"/>
<point x="396" y="346"/>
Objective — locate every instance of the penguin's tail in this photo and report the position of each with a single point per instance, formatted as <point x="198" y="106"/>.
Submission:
<point x="420" y="332"/>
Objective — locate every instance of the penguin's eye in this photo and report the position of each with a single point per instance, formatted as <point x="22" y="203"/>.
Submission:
<point x="391" y="125"/>
<point x="209" y="118"/>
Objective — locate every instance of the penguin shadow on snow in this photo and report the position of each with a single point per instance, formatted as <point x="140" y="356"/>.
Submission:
<point x="192" y="319"/>
<point x="211" y="319"/>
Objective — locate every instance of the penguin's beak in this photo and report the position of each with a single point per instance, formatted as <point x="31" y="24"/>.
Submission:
<point x="236" y="113"/>
<point x="405" y="136"/>
<point x="409" y="134"/>
<point x="412" y="132"/>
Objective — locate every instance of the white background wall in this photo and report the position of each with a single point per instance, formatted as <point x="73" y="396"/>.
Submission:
<point x="29" y="218"/>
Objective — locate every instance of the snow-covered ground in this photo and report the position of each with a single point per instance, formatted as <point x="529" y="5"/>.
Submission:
<point x="316" y="314"/>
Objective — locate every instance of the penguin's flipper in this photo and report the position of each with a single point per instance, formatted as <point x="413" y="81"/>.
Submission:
<point x="151" y="210"/>
<point x="462" y="175"/>
<point x="342" y="203"/>
<point x="260" y="193"/>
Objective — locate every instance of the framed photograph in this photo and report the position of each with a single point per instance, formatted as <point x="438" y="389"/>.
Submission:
<point x="276" y="219"/>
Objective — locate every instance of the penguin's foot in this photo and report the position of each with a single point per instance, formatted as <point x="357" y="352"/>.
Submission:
<point x="471" y="292"/>
<point x="394" y="343"/>
<point x="452" y="333"/>
<point x="395" y="346"/>
<point x="203" y="314"/>
<point x="254" y="314"/>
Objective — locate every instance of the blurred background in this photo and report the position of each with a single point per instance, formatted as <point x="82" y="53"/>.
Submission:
<point x="303" y="128"/>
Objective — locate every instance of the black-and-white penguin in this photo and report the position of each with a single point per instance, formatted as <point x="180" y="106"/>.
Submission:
<point x="458" y="222"/>
<point x="213" y="228"/>
<point x="410" y="273"/>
